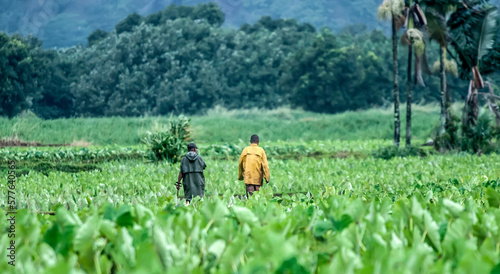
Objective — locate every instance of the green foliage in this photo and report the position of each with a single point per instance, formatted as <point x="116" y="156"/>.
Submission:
<point x="18" y="77"/>
<point x="45" y="167"/>
<point x="437" y="13"/>
<point x="53" y="98"/>
<point x="128" y="24"/>
<point x="392" y="151"/>
<point x="96" y="36"/>
<point x="279" y="150"/>
<point x="480" y="138"/>
<point x="225" y="126"/>
<point x="450" y="140"/>
<point x="127" y="182"/>
<point x="490" y="63"/>
<point x="473" y="34"/>
<point x="69" y="155"/>
<point x="210" y="12"/>
<point x="327" y="77"/>
<point x="272" y="25"/>
<point x="33" y="79"/>
<point x="160" y="70"/>
<point x="170" y="142"/>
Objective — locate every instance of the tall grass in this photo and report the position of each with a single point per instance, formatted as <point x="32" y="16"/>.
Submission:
<point x="293" y="125"/>
<point x="220" y="125"/>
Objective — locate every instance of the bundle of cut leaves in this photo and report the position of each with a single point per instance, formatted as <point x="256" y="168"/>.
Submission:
<point x="169" y="142"/>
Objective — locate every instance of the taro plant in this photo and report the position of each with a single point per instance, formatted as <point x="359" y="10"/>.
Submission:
<point x="168" y="143"/>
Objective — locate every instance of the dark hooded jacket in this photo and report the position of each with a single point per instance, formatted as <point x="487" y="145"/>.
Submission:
<point x="192" y="166"/>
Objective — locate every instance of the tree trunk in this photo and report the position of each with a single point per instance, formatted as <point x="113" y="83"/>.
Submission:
<point x="465" y="112"/>
<point x="397" y="122"/>
<point x="471" y="108"/>
<point x="444" y="95"/>
<point x="408" y="97"/>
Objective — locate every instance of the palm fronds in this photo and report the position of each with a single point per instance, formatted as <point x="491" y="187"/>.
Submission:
<point x="450" y="66"/>
<point x="486" y="31"/>
<point x="389" y="8"/>
<point x="473" y="36"/>
<point x="437" y="26"/>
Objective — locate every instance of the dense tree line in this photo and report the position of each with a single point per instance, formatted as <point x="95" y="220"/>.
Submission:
<point x="181" y="60"/>
<point x="18" y="74"/>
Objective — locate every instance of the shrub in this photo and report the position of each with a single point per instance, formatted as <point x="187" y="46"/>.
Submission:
<point x="390" y="152"/>
<point x="480" y="138"/>
<point x="45" y="167"/>
<point x="168" y="144"/>
<point x="450" y="140"/>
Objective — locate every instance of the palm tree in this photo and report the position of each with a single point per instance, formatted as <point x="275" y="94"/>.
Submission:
<point x="438" y="13"/>
<point x="473" y="28"/>
<point x="414" y="39"/>
<point x="393" y="10"/>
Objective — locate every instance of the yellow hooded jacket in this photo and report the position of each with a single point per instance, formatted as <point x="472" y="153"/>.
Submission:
<point x="253" y="165"/>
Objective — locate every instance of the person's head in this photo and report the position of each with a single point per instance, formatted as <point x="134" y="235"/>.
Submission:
<point x="192" y="147"/>
<point x="254" y="139"/>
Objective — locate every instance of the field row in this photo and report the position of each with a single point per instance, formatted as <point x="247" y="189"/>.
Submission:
<point x="133" y="182"/>
<point x="278" y="149"/>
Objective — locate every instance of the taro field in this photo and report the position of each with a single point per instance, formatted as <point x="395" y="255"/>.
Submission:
<point x="330" y="207"/>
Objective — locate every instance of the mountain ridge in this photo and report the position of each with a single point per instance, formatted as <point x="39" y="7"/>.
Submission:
<point x="65" y="23"/>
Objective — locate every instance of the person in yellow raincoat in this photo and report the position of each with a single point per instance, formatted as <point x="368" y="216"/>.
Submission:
<point x="253" y="167"/>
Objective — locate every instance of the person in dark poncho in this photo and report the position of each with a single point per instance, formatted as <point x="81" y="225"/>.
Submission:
<point x="191" y="173"/>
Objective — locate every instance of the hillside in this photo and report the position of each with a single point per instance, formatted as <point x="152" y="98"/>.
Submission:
<point x="64" y="23"/>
